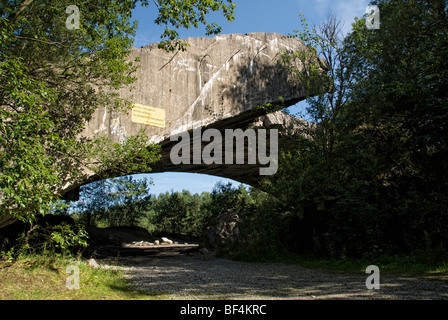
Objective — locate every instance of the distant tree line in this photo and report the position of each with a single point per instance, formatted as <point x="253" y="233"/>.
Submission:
<point x="185" y="214"/>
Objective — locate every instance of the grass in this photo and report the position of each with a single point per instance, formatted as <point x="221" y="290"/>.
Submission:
<point x="44" y="278"/>
<point x="418" y="263"/>
<point x="394" y="265"/>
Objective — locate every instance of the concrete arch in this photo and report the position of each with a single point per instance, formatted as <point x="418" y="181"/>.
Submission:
<point x="219" y="83"/>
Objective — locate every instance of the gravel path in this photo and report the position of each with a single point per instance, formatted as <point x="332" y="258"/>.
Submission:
<point x="178" y="276"/>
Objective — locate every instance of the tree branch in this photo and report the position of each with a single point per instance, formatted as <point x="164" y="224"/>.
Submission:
<point x="39" y="40"/>
<point x="13" y="17"/>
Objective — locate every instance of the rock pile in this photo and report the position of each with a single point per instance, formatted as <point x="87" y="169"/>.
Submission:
<point x="141" y="243"/>
<point x="163" y="241"/>
<point x="222" y="232"/>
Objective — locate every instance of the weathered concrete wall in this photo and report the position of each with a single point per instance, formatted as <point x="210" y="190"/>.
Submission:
<point x="217" y="83"/>
<point x="216" y="78"/>
<point x="244" y="173"/>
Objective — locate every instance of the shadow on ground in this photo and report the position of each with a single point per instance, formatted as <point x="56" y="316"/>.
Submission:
<point x="195" y="276"/>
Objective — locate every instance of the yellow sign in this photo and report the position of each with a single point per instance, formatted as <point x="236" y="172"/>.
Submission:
<point x="148" y="115"/>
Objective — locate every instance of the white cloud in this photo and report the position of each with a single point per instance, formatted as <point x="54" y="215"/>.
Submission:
<point x="345" y="10"/>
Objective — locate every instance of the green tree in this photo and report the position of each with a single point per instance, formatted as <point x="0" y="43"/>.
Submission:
<point x="113" y="202"/>
<point x="170" y="209"/>
<point x="127" y="198"/>
<point x="370" y="174"/>
<point x="400" y="113"/>
<point x="225" y="197"/>
<point x="314" y="157"/>
<point x="325" y="110"/>
<point x="93" y="202"/>
<point x="52" y="79"/>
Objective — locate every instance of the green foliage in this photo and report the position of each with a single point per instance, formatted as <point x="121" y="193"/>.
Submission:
<point x="224" y="197"/>
<point x="113" y="202"/>
<point x="270" y="107"/>
<point x="52" y="79"/>
<point x="27" y="175"/>
<point x="314" y="73"/>
<point x="401" y="119"/>
<point x="176" y="14"/>
<point x="179" y="213"/>
<point x="62" y="239"/>
<point x="265" y="218"/>
<point x="134" y="155"/>
<point x="368" y="177"/>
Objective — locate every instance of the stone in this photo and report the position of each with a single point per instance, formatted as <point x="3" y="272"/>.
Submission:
<point x="166" y="241"/>
<point x="141" y="243"/>
<point x="207" y="255"/>
<point x="221" y="232"/>
<point x="6" y="220"/>
<point x="93" y="264"/>
<point x="117" y="235"/>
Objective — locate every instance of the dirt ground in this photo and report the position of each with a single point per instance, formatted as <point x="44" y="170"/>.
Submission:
<point x="185" y="273"/>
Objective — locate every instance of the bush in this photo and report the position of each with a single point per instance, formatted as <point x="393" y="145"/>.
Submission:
<point x="61" y="239"/>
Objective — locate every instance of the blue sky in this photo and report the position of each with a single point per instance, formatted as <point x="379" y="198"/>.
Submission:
<point x="281" y="16"/>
